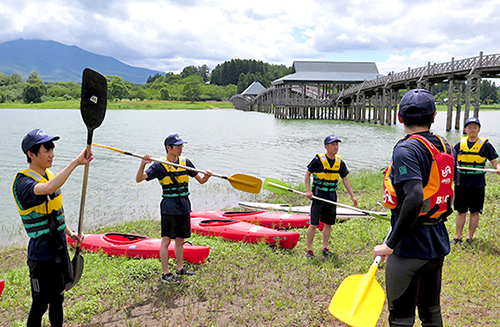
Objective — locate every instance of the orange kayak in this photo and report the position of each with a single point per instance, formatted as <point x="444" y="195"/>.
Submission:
<point x="137" y="246"/>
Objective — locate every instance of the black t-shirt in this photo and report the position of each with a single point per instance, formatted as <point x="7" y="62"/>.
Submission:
<point x="171" y="205"/>
<point x="315" y="166"/>
<point x="412" y="161"/>
<point x="475" y="180"/>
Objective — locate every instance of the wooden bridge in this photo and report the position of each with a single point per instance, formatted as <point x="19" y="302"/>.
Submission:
<point x="376" y="100"/>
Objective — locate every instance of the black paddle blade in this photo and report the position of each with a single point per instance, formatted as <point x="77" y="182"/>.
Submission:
<point x="94" y="98"/>
<point x="77" y="264"/>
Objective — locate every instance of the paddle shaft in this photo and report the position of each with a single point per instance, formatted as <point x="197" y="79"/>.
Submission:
<point x="162" y="161"/>
<point x="332" y="202"/>
<point x="486" y="170"/>
<point x="84" y="185"/>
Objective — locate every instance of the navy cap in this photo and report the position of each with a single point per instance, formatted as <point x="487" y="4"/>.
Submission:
<point x="472" y="120"/>
<point x="331" y="138"/>
<point x="36" y="136"/>
<point x="417" y="103"/>
<point x="173" y="139"/>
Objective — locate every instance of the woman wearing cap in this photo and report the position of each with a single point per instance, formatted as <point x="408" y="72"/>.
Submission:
<point x="326" y="169"/>
<point x="472" y="151"/>
<point x="175" y="204"/>
<point x="38" y="198"/>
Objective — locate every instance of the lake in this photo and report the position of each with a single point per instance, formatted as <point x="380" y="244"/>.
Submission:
<point x="226" y="141"/>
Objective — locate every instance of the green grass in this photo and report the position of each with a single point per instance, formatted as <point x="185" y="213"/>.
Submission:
<point x="138" y="105"/>
<point x="256" y="285"/>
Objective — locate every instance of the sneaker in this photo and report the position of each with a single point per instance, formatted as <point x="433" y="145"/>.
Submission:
<point x="169" y="278"/>
<point x="469" y="241"/>
<point x="185" y="272"/>
<point x="310" y="254"/>
<point x="456" y="241"/>
<point x="327" y="252"/>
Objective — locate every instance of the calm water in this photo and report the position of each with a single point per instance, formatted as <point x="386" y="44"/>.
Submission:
<point x="225" y="141"/>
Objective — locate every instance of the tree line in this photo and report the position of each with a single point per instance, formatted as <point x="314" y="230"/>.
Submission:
<point x="194" y="83"/>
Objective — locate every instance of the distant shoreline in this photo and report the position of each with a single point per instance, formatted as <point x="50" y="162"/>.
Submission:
<point x="127" y="105"/>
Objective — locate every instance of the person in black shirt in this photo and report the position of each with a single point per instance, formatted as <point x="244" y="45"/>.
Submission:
<point x="416" y="247"/>
<point x="326" y="169"/>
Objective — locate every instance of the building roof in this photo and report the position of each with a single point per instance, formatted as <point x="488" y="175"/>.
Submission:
<point x="330" y="71"/>
<point x="254" y="89"/>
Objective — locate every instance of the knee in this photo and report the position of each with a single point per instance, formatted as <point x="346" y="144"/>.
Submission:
<point x="430" y="316"/>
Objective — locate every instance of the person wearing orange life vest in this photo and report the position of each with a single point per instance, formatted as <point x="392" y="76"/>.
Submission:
<point x="38" y="198"/>
<point x="418" y="242"/>
<point x="471" y="151"/>
<point x="326" y="169"/>
<point x="175" y="205"/>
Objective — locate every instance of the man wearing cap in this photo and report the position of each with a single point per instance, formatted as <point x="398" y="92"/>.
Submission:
<point x="419" y="241"/>
<point x="472" y="151"/>
<point x="38" y="198"/>
<point x="175" y="205"/>
<point x="326" y="169"/>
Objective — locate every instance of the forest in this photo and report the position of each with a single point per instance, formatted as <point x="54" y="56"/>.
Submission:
<point x="194" y="83"/>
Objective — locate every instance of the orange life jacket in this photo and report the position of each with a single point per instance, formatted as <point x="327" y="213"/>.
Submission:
<point x="438" y="193"/>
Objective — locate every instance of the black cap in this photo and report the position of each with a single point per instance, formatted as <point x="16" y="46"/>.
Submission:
<point x="36" y="136"/>
<point x="417" y="103"/>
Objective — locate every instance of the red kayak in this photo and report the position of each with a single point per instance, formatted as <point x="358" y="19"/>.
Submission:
<point x="2" y="285"/>
<point x="235" y="230"/>
<point x="269" y="219"/>
<point x="136" y="246"/>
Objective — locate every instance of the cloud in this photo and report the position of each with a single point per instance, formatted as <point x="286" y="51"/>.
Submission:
<point x="169" y="35"/>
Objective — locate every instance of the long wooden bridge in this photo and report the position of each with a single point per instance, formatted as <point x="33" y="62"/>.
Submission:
<point x="376" y="100"/>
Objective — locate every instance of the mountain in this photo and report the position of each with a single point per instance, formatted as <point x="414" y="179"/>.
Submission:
<point x="56" y="62"/>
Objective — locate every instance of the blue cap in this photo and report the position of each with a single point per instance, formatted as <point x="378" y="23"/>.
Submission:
<point x="472" y="120"/>
<point x="173" y="139"/>
<point x="417" y="103"/>
<point x="36" y="136"/>
<point x="331" y="138"/>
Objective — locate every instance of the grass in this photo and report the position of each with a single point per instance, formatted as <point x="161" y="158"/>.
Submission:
<point x="138" y="105"/>
<point x="245" y="284"/>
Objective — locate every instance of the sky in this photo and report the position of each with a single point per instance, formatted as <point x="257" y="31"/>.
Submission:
<point x="170" y="35"/>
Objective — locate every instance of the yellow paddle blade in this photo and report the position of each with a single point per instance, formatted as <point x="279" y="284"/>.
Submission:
<point x="359" y="300"/>
<point x="245" y="183"/>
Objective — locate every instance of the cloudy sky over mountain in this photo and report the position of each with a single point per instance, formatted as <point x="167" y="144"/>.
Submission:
<point x="169" y="35"/>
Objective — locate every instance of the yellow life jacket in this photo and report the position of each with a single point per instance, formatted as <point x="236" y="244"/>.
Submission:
<point x="470" y="157"/>
<point x="175" y="184"/>
<point x="36" y="219"/>
<point x="327" y="180"/>
<point x="438" y="193"/>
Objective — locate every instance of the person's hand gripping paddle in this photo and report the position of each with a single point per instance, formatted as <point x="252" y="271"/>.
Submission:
<point x="93" y="103"/>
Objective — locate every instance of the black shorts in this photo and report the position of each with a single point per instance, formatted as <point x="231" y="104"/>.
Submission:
<point x="324" y="212"/>
<point x="173" y="226"/>
<point x="47" y="281"/>
<point x="469" y="199"/>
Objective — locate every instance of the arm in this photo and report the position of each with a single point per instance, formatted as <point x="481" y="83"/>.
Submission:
<point x="141" y="175"/>
<point x="204" y="179"/>
<point x="307" y="180"/>
<point x="495" y="164"/>
<point x="74" y="236"/>
<point x="410" y="209"/>
<point x="348" y="187"/>
<point x="58" y="180"/>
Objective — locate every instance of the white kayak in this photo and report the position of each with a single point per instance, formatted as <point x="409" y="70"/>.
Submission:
<point x="341" y="212"/>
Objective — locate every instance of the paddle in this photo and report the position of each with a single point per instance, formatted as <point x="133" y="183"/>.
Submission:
<point x="93" y="103"/>
<point x="359" y="299"/>
<point x="277" y="186"/>
<point x="240" y="182"/>
<point x="486" y="170"/>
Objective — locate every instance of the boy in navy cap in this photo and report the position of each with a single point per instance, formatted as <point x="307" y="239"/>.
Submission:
<point x="326" y="169"/>
<point x="38" y="198"/>
<point x="472" y="151"/>
<point x="175" y="204"/>
<point x="418" y="242"/>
